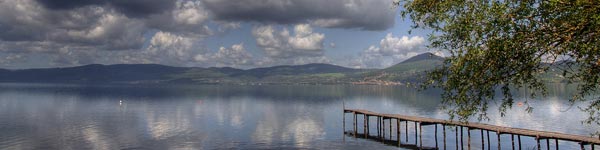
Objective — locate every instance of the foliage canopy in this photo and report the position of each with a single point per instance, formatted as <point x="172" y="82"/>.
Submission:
<point x="499" y="45"/>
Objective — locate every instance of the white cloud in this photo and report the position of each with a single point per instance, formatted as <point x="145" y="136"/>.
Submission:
<point x="305" y="39"/>
<point x="26" y="21"/>
<point x="9" y="59"/>
<point x="235" y="56"/>
<point x="189" y="12"/>
<point x="391" y="45"/>
<point x="165" y="48"/>
<point x="283" y="48"/>
<point x="112" y="31"/>
<point x="280" y="44"/>
<point x="188" y="18"/>
<point x="391" y="50"/>
<point x="169" y="44"/>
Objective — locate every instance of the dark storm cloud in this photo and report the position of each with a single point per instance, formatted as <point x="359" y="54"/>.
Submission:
<point x="68" y="4"/>
<point x="130" y="8"/>
<point x="362" y="14"/>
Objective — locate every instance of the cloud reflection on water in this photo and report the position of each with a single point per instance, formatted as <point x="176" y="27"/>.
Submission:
<point x="210" y="117"/>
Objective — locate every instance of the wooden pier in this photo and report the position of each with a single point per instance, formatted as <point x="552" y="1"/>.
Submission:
<point x="419" y="122"/>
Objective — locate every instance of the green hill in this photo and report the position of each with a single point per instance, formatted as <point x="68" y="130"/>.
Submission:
<point x="410" y="70"/>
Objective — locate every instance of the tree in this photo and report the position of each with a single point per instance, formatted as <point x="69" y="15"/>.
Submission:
<point x="503" y="45"/>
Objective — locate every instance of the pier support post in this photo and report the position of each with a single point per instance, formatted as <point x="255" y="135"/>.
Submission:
<point x="416" y="134"/>
<point x="390" y="128"/>
<point x="365" y="128"/>
<point x="406" y="130"/>
<point x="456" y="136"/>
<point x="444" y="130"/>
<point x="519" y="139"/>
<point x="344" y="123"/>
<point x="556" y="143"/>
<point x="461" y="138"/>
<point x="581" y="145"/>
<point x="435" y="135"/>
<point x="537" y="139"/>
<point x="488" y="139"/>
<point x="355" y="126"/>
<point x="499" y="143"/>
<point x="378" y="130"/>
<point x="398" y="133"/>
<point x="368" y="132"/>
<point x="420" y="136"/>
<point x="383" y="129"/>
<point x="512" y="139"/>
<point x="482" y="141"/>
<point x="548" y="144"/>
<point x="468" y="138"/>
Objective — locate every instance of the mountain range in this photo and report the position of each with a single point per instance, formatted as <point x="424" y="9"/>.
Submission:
<point x="407" y="71"/>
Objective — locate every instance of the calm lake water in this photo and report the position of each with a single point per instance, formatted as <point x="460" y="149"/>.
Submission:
<point x="46" y="116"/>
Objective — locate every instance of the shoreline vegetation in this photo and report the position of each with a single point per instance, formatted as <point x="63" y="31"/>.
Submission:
<point x="407" y="73"/>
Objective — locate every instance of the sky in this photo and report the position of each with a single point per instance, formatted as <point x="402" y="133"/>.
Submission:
<point x="205" y="33"/>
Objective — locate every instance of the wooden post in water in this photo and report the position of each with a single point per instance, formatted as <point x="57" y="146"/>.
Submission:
<point x="435" y="135"/>
<point x="456" y="136"/>
<point x="499" y="143"/>
<point x="519" y="139"/>
<point x="444" y="128"/>
<point x="548" y="143"/>
<point x="581" y="145"/>
<point x="390" y="128"/>
<point x="461" y="138"/>
<point x="468" y="138"/>
<point x="365" y="125"/>
<point x="488" y="139"/>
<point x="556" y="143"/>
<point x="368" y="126"/>
<point x="416" y="133"/>
<point x="482" y="141"/>
<point x="406" y="130"/>
<point x="398" y="133"/>
<point x="537" y="139"/>
<point x="344" y="123"/>
<point x="383" y="129"/>
<point x="420" y="135"/>
<point x="355" y="125"/>
<point x="378" y="126"/>
<point x="512" y="139"/>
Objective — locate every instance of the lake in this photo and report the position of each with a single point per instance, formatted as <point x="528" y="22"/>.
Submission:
<point x="52" y="116"/>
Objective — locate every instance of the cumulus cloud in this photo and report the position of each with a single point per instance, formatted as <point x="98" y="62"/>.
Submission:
<point x="25" y="21"/>
<point x="168" y="48"/>
<point x="361" y="14"/>
<point x="391" y="50"/>
<point x="80" y="32"/>
<point x="236" y="56"/>
<point x="172" y="32"/>
<point x="187" y="17"/>
<point x="282" y="44"/>
<point x="391" y="45"/>
<point x="9" y="59"/>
